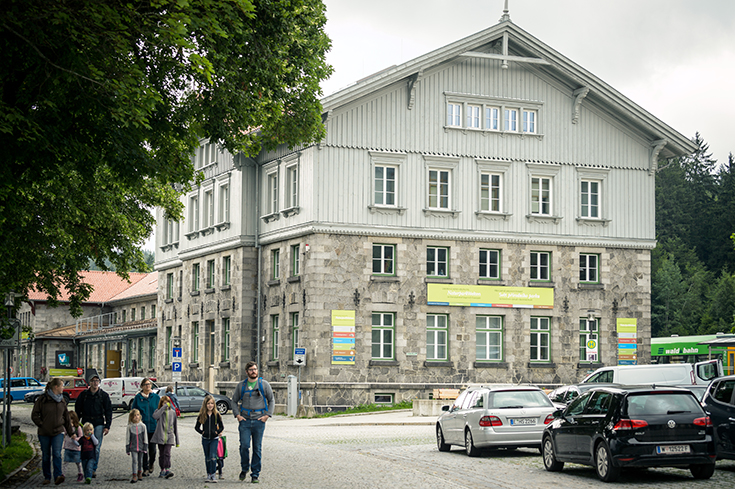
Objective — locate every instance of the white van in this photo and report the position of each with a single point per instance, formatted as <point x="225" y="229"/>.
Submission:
<point x="680" y="374"/>
<point x="122" y="390"/>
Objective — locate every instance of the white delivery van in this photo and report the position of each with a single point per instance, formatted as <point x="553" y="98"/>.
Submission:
<point x="679" y="374"/>
<point x="122" y="390"/>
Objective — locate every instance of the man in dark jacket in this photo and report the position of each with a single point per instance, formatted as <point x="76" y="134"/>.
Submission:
<point x="94" y="406"/>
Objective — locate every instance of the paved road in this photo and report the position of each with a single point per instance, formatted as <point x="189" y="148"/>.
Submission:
<point x="389" y="450"/>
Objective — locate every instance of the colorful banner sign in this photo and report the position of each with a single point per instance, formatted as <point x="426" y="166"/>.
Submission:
<point x="343" y="337"/>
<point x="627" y="329"/>
<point x="490" y="296"/>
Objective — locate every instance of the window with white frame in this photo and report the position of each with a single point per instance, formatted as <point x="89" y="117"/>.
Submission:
<point x="195" y="272"/>
<point x="294" y="333"/>
<point x="488" y="338"/>
<point x="454" y="114"/>
<point x="276" y="334"/>
<point x="589" y="268"/>
<point x="590" y="199"/>
<point x="385" y="185"/>
<point x="208" y="208"/>
<point x="383" y="259"/>
<point x="473" y="116"/>
<point x="492" y="118"/>
<point x="490" y="192"/>
<point x="273" y="193"/>
<point x="194" y="213"/>
<point x="383" y="334"/>
<point x="588" y="341"/>
<point x="529" y="121"/>
<point x="541" y="188"/>
<point x="540" y="265"/>
<point x="292" y="186"/>
<point x="490" y="264"/>
<point x="436" y="337"/>
<point x="439" y="186"/>
<point x="436" y="261"/>
<point x="224" y="203"/>
<point x="510" y="120"/>
<point x="540" y="339"/>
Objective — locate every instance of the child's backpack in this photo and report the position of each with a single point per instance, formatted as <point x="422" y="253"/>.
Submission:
<point x="222" y="447"/>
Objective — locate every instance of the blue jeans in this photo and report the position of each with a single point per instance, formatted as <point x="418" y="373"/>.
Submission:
<point x="251" y="429"/>
<point x="51" y="447"/>
<point x="210" y="454"/>
<point x="88" y="465"/>
<point x="97" y="434"/>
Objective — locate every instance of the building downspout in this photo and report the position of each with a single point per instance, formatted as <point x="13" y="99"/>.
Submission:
<point x="260" y="266"/>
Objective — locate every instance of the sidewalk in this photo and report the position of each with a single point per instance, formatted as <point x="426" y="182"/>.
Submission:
<point x="400" y="417"/>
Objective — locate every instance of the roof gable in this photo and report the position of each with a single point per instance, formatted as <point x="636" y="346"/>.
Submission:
<point x="105" y="285"/>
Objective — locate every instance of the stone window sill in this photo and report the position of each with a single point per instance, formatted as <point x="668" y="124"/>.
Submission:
<point x="491" y="365"/>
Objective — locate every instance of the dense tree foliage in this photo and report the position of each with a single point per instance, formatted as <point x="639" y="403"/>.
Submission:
<point x="693" y="284"/>
<point x="102" y="103"/>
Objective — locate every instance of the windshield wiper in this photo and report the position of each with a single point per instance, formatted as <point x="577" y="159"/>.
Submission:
<point x="511" y="407"/>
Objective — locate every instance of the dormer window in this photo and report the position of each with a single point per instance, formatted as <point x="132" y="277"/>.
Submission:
<point x="489" y="114"/>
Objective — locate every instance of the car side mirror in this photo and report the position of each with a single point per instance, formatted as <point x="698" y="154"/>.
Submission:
<point x="445" y="408"/>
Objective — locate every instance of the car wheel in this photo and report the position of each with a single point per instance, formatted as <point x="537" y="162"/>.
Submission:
<point x="469" y="445"/>
<point x="222" y="407"/>
<point x="702" y="471"/>
<point x="603" y="464"/>
<point x="551" y="464"/>
<point x="440" y="443"/>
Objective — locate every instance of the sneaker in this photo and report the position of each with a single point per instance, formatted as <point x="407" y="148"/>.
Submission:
<point x="221" y="477"/>
<point x="162" y="474"/>
<point x="47" y="481"/>
<point x="213" y="479"/>
<point x="88" y="480"/>
<point x="146" y="473"/>
<point x="59" y="480"/>
<point x="169" y="474"/>
<point x="243" y="475"/>
<point x="80" y="478"/>
<point x="254" y="480"/>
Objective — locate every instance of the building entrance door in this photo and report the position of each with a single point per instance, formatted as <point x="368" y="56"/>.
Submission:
<point x="112" y="369"/>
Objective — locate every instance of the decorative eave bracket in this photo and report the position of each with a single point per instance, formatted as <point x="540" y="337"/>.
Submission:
<point x="413" y="80"/>
<point x="656" y="148"/>
<point x="579" y="95"/>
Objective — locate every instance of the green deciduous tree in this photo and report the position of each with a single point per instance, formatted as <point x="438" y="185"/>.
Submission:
<point x="103" y="102"/>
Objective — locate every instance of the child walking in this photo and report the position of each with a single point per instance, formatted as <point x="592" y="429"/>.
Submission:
<point x="136" y="443"/>
<point x="209" y="425"/>
<point x="166" y="432"/>
<point x="88" y="448"/>
<point x="72" y="449"/>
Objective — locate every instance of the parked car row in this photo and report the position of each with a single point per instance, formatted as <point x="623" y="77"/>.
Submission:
<point x="73" y="386"/>
<point x="610" y="427"/>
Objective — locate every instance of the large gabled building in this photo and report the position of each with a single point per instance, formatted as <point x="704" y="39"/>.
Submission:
<point x="482" y="213"/>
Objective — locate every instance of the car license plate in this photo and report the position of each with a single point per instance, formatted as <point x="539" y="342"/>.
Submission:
<point x="667" y="449"/>
<point x="519" y="421"/>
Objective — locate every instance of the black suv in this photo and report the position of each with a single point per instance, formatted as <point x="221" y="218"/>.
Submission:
<point x="639" y="426"/>
<point x="719" y="403"/>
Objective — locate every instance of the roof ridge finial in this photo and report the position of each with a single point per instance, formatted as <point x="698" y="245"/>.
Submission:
<point x="506" y="13"/>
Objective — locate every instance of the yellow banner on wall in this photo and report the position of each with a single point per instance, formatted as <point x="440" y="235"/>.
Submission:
<point x="490" y="296"/>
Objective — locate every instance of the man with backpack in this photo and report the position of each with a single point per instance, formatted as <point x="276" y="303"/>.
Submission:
<point x="94" y="406"/>
<point x="253" y="401"/>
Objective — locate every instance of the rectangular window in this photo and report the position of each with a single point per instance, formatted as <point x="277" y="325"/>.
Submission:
<point x="194" y="214"/>
<point x="489" y="338"/>
<point x="195" y="270"/>
<point x="590" y="199"/>
<point x="125" y="316"/>
<point x="210" y="274"/>
<point x="152" y="352"/>
<point x="383" y="259"/>
<point x="439" y="189"/>
<point x="492" y="118"/>
<point x="490" y="188"/>
<point x="295" y="260"/>
<point x="276" y="336"/>
<point x="224" y="203"/>
<point x="588" y="343"/>
<point x="276" y="264"/>
<point x="226" y="263"/>
<point x="436" y="337"/>
<point x="142" y="312"/>
<point x="169" y="286"/>
<point x="383" y="398"/>
<point x="436" y="261"/>
<point x="383" y="334"/>
<point x="225" y="339"/>
<point x="529" y="121"/>
<point x="490" y="264"/>
<point x="539" y="339"/>
<point x="195" y="341"/>
<point x="139" y="363"/>
<point x="132" y="314"/>
<point x="588" y="268"/>
<point x="294" y="332"/>
<point x="169" y="339"/>
<point x="153" y="311"/>
<point x="208" y="208"/>
<point x="454" y="114"/>
<point x="540" y="265"/>
<point x="473" y="116"/>
<point x="510" y="120"/>
<point x="273" y="193"/>
<point x="385" y="185"/>
<point x="541" y="196"/>
<point x="292" y="189"/>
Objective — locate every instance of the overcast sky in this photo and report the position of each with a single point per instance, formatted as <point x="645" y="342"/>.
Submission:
<point x="674" y="58"/>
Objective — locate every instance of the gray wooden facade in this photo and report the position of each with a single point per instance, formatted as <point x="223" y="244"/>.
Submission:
<point x="318" y="204"/>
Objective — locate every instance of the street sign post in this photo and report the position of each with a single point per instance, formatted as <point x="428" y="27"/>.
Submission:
<point x="299" y="357"/>
<point x="176" y="356"/>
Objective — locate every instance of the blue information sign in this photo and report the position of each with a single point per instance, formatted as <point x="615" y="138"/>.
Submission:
<point x="176" y="367"/>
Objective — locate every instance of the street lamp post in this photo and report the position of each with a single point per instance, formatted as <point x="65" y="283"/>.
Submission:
<point x="7" y="430"/>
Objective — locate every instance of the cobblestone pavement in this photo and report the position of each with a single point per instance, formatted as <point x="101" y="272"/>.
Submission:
<point x="390" y="449"/>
